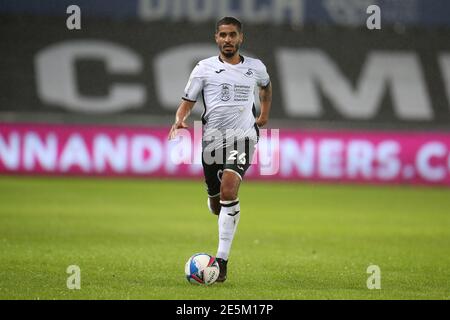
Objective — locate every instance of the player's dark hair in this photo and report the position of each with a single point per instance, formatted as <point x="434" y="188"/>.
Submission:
<point x="229" y="20"/>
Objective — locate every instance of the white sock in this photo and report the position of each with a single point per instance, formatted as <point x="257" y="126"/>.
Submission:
<point x="228" y="221"/>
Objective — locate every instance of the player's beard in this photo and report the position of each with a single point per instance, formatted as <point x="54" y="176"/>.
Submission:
<point x="230" y="54"/>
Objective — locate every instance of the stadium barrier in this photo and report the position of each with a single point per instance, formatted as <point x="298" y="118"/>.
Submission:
<point x="290" y="155"/>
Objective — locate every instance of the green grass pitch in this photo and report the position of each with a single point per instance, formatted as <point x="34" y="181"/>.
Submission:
<point x="131" y="239"/>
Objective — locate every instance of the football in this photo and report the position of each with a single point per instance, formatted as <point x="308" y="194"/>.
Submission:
<point x="202" y="268"/>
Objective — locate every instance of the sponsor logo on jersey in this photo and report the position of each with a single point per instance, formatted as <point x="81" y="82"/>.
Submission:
<point x="226" y="92"/>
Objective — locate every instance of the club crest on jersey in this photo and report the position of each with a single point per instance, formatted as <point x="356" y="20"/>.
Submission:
<point x="249" y="73"/>
<point x="226" y="92"/>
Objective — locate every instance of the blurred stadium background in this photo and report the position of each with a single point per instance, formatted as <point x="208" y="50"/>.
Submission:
<point x="365" y="111"/>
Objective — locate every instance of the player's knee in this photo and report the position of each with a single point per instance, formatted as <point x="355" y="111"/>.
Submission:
<point x="228" y="193"/>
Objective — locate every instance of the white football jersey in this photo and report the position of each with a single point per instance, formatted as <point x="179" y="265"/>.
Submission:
<point x="228" y="94"/>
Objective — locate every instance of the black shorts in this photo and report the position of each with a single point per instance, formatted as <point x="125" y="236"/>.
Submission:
<point x="234" y="158"/>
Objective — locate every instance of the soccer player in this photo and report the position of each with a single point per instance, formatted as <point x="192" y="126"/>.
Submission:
<point x="230" y="126"/>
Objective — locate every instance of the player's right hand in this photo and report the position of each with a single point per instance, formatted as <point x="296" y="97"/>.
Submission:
<point x="175" y="127"/>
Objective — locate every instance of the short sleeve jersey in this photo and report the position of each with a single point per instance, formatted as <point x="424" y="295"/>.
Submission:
<point x="228" y="93"/>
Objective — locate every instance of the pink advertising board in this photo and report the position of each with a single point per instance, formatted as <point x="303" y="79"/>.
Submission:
<point x="292" y="155"/>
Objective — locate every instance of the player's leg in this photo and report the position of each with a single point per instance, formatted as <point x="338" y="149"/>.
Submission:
<point x="228" y="218"/>
<point x="233" y="172"/>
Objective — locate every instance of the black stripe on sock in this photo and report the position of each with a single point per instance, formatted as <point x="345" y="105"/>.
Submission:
<point x="229" y="205"/>
<point x="233" y="214"/>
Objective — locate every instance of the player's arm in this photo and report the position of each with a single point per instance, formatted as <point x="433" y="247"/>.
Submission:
<point x="265" y="98"/>
<point x="182" y="114"/>
<point x="192" y="90"/>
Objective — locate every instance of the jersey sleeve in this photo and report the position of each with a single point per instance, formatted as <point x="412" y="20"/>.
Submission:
<point x="262" y="77"/>
<point x="195" y="84"/>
